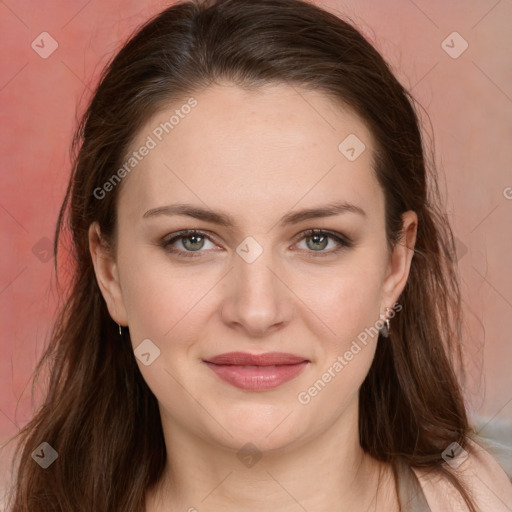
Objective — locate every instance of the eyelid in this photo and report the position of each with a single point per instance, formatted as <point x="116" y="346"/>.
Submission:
<point x="342" y="240"/>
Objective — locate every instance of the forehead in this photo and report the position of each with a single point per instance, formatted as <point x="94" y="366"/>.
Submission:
<point x="252" y="153"/>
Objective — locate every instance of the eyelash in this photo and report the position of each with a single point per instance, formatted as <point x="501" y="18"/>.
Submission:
<point x="343" y="241"/>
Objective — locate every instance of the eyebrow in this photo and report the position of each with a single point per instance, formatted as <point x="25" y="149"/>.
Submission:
<point x="223" y="219"/>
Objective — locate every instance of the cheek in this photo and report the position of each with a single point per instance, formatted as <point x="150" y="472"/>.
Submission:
<point x="346" y="301"/>
<point x="165" y="306"/>
<point x="349" y="305"/>
<point x="158" y="297"/>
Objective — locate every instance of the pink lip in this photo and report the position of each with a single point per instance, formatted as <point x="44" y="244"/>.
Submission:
<point x="256" y="372"/>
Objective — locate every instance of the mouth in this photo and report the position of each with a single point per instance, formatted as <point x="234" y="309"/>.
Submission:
<point x="256" y="372"/>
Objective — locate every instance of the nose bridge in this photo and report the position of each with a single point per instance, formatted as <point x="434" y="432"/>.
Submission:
<point x="255" y="280"/>
<point x="258" y="297"/>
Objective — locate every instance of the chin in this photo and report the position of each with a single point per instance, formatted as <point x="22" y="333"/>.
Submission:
<point x="256" y="441"/>
<point x="266" y="427"/>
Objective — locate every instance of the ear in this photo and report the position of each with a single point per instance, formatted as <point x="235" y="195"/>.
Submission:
<point x="107" y="275"/>
<point x="400" y="261"/>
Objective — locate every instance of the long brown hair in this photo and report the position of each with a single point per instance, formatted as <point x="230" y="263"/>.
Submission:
<point x="99" y="414"/>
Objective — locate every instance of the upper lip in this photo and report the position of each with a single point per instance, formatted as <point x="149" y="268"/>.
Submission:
<point x="246" y="359"/>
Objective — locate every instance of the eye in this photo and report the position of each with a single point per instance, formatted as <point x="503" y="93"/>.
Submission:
<point x="192" y="241"/>
<point x="316" y="240"/>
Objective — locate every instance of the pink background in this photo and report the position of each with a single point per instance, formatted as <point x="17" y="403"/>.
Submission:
<point x="468" y="99"/>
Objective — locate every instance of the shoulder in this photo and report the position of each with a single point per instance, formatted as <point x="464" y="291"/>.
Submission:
<point x="486" y="481"/>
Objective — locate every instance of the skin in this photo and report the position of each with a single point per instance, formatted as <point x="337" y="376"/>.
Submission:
<point x="256" y="155"/>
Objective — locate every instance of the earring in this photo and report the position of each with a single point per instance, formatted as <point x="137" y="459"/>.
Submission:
<point x="120" y="330"/>
<point x="384" y="331"/>
<point x="386" y="328"/>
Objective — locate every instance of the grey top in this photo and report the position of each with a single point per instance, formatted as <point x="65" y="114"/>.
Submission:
<point x="410" y="493"/>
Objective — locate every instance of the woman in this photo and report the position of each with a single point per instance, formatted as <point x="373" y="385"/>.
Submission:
<point x="265" y="313"/>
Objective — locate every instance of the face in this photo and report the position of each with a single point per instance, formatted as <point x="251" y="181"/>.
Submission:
<point x="258" y="282"/>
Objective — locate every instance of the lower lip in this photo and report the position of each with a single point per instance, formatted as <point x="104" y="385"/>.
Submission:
<point x="257" y="378"/>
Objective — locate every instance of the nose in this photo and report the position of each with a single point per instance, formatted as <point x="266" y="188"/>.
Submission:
<point x="258" y="300"/>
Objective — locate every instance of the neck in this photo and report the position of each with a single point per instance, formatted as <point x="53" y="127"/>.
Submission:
<point x="329" y="472"/>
